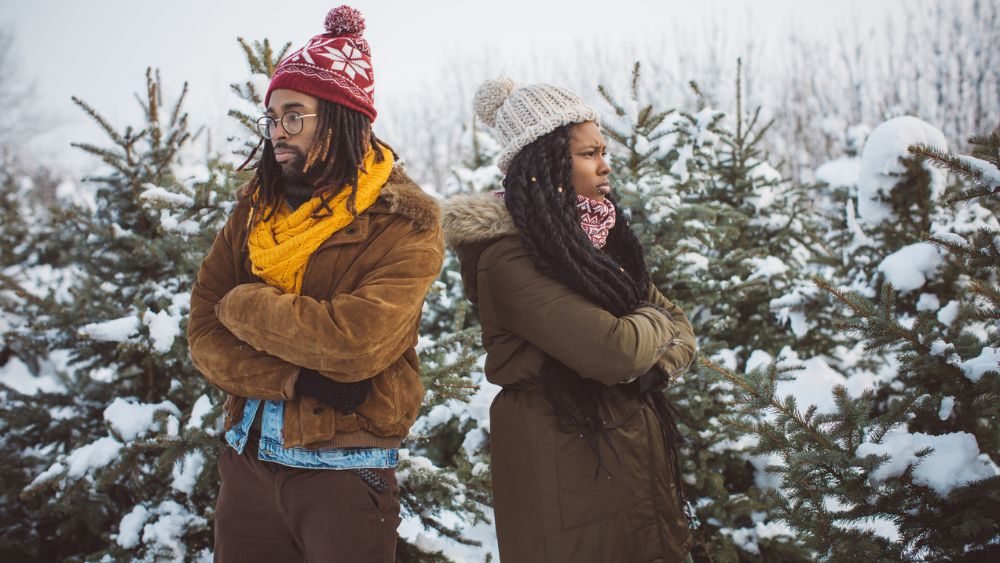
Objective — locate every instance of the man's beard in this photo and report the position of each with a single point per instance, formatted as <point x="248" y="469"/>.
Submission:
<point x="292" y="170"/>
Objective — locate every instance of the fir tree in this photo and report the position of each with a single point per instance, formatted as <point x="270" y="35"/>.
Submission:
<point x="906" y="469"/>
<point x="725" y="236"/>
<point x="133" y="434"/>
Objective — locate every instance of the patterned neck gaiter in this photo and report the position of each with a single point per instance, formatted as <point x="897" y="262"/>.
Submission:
<point x="597" y="218"/>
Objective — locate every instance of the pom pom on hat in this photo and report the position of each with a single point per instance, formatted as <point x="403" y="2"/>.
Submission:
<point x="348" y="81"/>
<point x="490" y="96"/>
<point x="344" y="20"/>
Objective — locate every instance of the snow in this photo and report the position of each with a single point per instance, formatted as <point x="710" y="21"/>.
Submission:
<point x="947" y="314"/>
<point x="928" y="302"/>
<point x="94" y="455"/>
<point x="170" y="223"/>
<point x="880" y="165"/>
<point x="131" y="526"/>
<point x="168" y="530"/>
<point x="951" y="238"/>
<point x="475" y="441"/>
<point x="164" y="328"/>
<point x="200" y="409"/>
<point x="726" y="357"/>
<point x="988" y="360"/>
<point x="132" y="420"/>
<point x="695" y="262"/>
<point x="798" y="323"/>
<point x="940" y="347"/>
<point x="766" y="267"/>
<point x="748" y="538"/>
<point x="413" y="531"/>
<point x="117" y="330"/>
<point x="680" y="167"/>
<point x="840" y="173"/>
<point x="858" y="237"/>
<point x="989" y="174"/>
<point x="947" y="404"/>
<point x="758" y="359"/>
<point x="186" y="472"/>
<point x="160" y="195"/>
<point x="954" y="462"/>
<point x="882" y="527"/>
<point x="16" y="375"/>
<point x="910" y="267"/>
<point x="55" y="470"/>
<point x="812" y="385"/>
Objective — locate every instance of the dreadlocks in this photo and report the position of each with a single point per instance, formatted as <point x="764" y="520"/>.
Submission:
<point x="336" y="158"/>
<point x="539" y="194"/>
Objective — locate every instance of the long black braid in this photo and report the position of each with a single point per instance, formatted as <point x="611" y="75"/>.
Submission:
<point x="542" y="202"/>
<point x="336" y="158"/>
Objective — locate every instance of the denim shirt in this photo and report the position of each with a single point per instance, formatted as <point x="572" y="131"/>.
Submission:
<point x="272" y="448"/>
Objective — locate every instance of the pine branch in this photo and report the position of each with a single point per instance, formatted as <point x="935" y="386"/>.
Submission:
<point x="115" y="137"/>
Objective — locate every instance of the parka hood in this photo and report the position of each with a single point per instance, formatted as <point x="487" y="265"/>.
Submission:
<point x="471" y="223"/>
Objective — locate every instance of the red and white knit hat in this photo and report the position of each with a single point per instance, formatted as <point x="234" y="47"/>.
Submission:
<point x="335" y="66"/>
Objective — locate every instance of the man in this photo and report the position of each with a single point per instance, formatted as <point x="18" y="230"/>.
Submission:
<point x="306" y="311"/>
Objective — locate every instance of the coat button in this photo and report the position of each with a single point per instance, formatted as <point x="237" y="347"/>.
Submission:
<point x="318" y="410"/>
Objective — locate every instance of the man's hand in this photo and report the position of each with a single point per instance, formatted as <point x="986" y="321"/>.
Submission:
<point x="344" y="397"/>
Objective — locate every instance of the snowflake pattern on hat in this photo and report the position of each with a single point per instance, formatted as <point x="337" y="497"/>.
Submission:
<point x="349" y="60"/>
<point x="334" y="66"/>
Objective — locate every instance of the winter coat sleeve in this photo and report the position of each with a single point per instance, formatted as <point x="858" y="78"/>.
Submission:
<point x="568" y="326"/>
<point x="680" y="353"/>
<point x="228" y="362"/>
<point x="352" y="336"/>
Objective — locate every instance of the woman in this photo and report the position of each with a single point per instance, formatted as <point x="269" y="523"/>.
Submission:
<point x="582" y="443"/>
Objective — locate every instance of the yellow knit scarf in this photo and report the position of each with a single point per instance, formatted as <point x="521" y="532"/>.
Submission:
<point x="280" y="247"/>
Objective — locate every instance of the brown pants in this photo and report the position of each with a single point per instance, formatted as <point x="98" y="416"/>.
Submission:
<point x="272" y="513"/>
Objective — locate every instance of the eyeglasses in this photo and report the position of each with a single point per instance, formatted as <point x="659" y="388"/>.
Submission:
<point x="291" y="122"/>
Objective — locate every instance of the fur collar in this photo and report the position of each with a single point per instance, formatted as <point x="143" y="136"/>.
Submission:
<point x="475" y="218"/>
<point x="402" y="196"/>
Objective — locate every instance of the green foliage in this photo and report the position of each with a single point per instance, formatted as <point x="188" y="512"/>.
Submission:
<point x="129" y="261"/>
<point x="713" y="216"/>
<point x="832" y="486"/>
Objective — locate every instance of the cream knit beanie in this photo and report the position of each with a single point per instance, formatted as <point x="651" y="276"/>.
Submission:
<point x="521" y="114"/>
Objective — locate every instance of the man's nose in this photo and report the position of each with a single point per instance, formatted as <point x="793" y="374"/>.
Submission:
<point x="278" y="132"/>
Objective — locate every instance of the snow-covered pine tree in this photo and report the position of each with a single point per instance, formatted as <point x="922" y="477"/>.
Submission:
<point x="130" y="441"/>
<point x="907" y="468"/>
<point x="29" y="385"/>
<point x="452" y="432"/>
<point x="725" y="237"/>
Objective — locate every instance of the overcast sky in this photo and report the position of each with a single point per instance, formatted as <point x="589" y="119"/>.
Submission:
<point x="98" y="50"/>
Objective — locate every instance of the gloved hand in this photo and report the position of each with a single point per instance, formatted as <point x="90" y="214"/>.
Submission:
<point x="344" y="397"/>
<point x="652" y="380"/>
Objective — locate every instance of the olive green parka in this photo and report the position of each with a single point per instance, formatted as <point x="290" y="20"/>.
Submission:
<point x="551" y="504"/>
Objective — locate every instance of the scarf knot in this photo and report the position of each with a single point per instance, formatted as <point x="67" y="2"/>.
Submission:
<point x="281" y="246"/>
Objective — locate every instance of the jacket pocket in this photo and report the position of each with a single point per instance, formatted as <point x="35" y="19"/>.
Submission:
<point x="590" y="493"/>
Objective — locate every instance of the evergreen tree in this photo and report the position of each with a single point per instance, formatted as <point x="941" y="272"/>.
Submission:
<point x="132" y="436"/>
<point x="907" y="469"/>
<point x="725" y="237"/>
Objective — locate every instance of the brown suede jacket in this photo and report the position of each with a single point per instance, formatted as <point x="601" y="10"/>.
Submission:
<point x="357" y="318"/>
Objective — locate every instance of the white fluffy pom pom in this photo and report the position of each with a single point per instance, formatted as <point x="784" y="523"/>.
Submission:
<point x="490" y="96"/>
